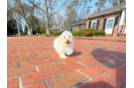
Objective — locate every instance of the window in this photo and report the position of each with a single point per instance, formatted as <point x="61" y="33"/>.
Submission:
<point x="110" y="23"/>
<point x="94" y="24"/>
<point x="79" y="27"/>
<point x="62" y="29"/>
<point x="70" y="29"/>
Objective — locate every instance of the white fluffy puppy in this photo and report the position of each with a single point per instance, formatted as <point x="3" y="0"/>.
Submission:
<point x="64" y="44"/>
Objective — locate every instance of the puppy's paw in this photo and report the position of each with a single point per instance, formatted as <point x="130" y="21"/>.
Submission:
<point x="64" y="57"/>
<point x="69" y="52"/>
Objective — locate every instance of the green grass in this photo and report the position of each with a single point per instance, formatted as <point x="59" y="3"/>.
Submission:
<point x="101" y="35"/>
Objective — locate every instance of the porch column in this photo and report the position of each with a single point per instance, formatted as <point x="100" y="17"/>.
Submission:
<point x="74" y="28"/>
<point x="121" y="20"/>
<point x="87" y="24"/>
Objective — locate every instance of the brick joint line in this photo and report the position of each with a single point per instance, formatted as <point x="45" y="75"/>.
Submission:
<point x="58" y="71"/>
<point x="81" y="63"/>
<point x="36" y="68"/>
<point x="62" y="61"/>
<point x="46" y="59"/>
<point x="83" y="74"/>
<point x="20" y="82"/>
<point x="18" y="64"/>
<point x="47" y="84"/>
<point x="30" y="58"/>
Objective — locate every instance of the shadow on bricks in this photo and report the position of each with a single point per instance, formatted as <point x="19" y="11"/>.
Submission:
<point x="115" y="76"/>
<point x="75" y="54"/>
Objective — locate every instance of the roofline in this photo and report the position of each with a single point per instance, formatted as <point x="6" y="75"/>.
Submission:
<point x="103" y="13"/>
<point x="74" y="24"/>
<point x="107" y="12"/>
<point x="123" y="7"/>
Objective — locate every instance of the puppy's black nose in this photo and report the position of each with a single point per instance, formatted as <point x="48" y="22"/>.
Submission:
<point x="67" y="40"/>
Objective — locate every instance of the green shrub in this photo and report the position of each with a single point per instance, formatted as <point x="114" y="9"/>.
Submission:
<point x="99" y="32"/>
<point x="27" y="35"/>
<point x="88" y="33"/>
<point x="44" y="34"/>
<point x="56" y="33"/>
<point x="81" y="32"/>
<point x="51" y="32"/>
<point x="90" y="29"/>
<point x="73" y="33"/>
<point x="61" y="32"/>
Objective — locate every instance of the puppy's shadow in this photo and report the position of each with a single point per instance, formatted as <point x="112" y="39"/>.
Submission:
<point x="75" y="54"/>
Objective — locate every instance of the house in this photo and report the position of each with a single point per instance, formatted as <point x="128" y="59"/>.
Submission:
<point x="77" y="25"/>
<point x="107" y="19"/>
<point x="54" y="29"/>
<point x="57" y="29"/>
<point x="62" y="28"/>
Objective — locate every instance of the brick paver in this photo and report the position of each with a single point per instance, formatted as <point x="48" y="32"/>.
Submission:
<point x="68" y="80"/>
<point x="39" y="76"/>
<point x="12" y="66"/>
<point x="49" y="65"/>
<point x="20" y="71"/>
<point x="38" y="85"/>
<point x="69" y="67"/>
<point x="33" y="63"/>
<point x="13" y="83"/>
<point x="120" y="74"/>
<point x="94" y="70"/>
<point x="102" y="82"/>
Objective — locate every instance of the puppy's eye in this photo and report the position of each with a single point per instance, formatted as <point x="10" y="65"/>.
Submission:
<point x="64" y="37"/>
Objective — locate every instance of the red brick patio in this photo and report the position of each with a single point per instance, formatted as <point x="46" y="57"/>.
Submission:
<point x="33" y="63"/>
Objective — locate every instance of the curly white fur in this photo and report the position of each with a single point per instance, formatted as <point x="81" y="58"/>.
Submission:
<point x="64" y="44"/>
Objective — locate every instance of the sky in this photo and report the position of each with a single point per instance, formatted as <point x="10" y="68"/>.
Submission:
<point x="92" y="3"/>
<point x="107" y="4"/>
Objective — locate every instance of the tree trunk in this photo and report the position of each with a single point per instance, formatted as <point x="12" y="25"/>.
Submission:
<point x="31" y="30"/>
<point x="47" y="27"/>
<point x="47" y="22"/>
<point x="17" y="26"/>
<point x="18" y="29"/>
<point x="28" y="28"/>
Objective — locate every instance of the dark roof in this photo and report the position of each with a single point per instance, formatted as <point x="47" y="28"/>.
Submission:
<point x="110" y="10"/>
<point x="82" y="21"/>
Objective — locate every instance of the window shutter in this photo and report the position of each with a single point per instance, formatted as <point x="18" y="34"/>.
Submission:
<point x="104" y="24"/>
<point x="89" y="24"/>
<point x="116" y="21"/>
<point x="97" y="24"/>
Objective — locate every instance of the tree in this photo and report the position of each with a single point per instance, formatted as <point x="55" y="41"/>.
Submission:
<point x="13" y="15"/>
<point x="51" y="7"/>
<point x="11" y="27"/>
<point x="24" y="9"/>
<point x="25" y="30"/>
<point x="57" y="20"/>
<point x="116" y="2"/>
<point x="35" y="25"/>
<point x="77" y="9"/>
<point x="100" y="5"/>
<point x="94" y="12"/>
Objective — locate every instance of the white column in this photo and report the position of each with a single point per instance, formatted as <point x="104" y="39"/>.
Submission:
<point x="87" y="23"/>
<point x="125" y="31"/>
<point x="74" y="28"/>
<point x="121" y="20"/>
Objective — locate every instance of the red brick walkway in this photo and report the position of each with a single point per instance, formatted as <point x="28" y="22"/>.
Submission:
<point x="33" y="63"/>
